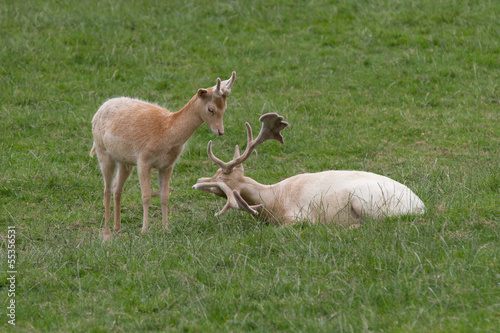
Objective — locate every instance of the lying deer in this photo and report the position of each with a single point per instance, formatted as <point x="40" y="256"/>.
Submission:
<point x="130" y="132"/>
<point x="347" y="197"/>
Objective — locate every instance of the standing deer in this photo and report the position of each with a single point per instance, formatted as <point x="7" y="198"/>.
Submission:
<point x="347" y="197"/>
<point x="130" y="132"/>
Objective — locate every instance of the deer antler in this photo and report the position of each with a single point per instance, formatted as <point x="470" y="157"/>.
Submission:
<point x="231" y="201"/>
<point x="224" y="88"/>
<point x="272" y="124"/>
<point x="234" y="199"/>
<point x="217" y="88"/>
<point x="243" y="205"/>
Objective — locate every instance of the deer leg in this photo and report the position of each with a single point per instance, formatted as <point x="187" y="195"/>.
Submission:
<point x="356" y="212"/>
<point x="107" y="168"/>
<point x="122" y="175"/>
<point x="164" y="177"/>
<point x="144" y="172"/>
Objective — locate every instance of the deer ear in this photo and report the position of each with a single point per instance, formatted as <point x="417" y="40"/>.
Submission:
<point x="202" y="93"/>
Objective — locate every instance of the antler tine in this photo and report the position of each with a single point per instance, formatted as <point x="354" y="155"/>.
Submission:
<point x="243" y="205"/>
<point x="231" y="80"/>
<point x="229" y="166"/>
<point x="227" y="84"/>
<point x="212" y="156"/>
<point x="217" y="87"/>
<point x="250" y="142"/>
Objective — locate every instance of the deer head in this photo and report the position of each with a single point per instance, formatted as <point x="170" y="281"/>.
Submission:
<point x="214" y="103"/>
<point x="227" y="180"/>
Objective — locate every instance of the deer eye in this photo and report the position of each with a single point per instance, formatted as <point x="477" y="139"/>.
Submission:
<point x="211" y="110"/>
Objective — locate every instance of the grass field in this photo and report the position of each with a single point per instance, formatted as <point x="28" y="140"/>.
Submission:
<point x="405" y="89"/>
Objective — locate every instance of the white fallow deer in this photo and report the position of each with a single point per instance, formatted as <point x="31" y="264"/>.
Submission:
<point x="345" y="197"/>
<point x="130" y="132"/>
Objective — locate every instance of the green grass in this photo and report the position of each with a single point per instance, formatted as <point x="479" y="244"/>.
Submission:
<point x="409" y="90"/>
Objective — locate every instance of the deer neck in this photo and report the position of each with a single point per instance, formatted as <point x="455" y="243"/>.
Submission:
<point x="186" y="121"/>
<point x="255" y="193"/>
